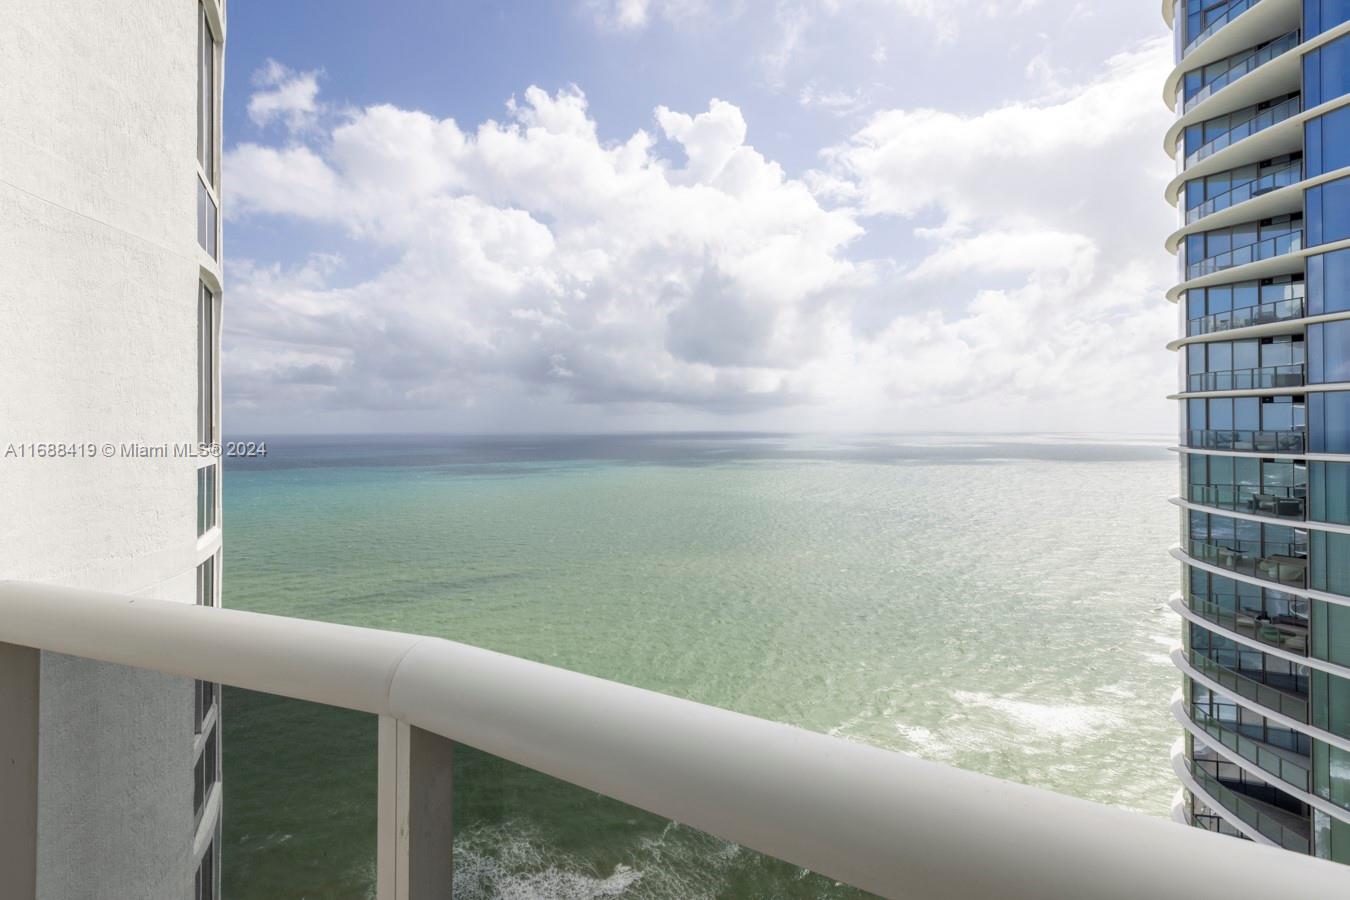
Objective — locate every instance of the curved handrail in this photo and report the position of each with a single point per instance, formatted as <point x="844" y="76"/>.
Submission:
<point x="1247" y="316"/>
<point x="1239" y="68"/>
<point x="885" y="822"/>
<point x="1237" y="8"/>
<point x="1250" y="379"/>
<point x="1278" y="177"/>
<point x="1267" y="118"/>
<point x="1269" y="248"/>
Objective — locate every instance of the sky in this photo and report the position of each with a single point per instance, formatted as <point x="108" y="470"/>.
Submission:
<point x="625" y="215"/>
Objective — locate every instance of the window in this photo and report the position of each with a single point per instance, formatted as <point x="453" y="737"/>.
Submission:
<point x="207" y="217"/>
<point x="206" y="582"/>
<point x="1221" y="131"/>
<point x="206" y="95"/>
<point x="1329" y="352"/>
<point x="1217" y="75"/>
<point x="1248" y="484"/>
<point x="1206" y="196"/>
<point x="206" y="772"/>
<point x="1329" y="422"/>
<point x="1276" y="553"/>
<point x="1252" y="664"/>
<point x="204" y="691"/>
<point x="1330" y="568"/>
<point x="1329" y="282"/>
<point x="206" y="499"/>
<point x="1326" y="72"/>
<point x="1324" y="15"/>
<point x="1328" y="211"/>
<point x="1204" y="14"/>
<point x="203" y="701"/>
<point x="1327" y="140"/>
<point x="207" y="111"/>
<point x="206" y="365"/>
<point x="206" y="874"/>
<point x="1329" y="492"/>
<point x="1223" y="248"/>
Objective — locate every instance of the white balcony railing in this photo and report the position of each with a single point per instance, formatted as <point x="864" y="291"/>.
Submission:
<point x="888" y="823"/>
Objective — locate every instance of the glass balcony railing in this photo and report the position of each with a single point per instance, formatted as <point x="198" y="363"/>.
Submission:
<point x="1285" y="564"/>
<point x="1241" y="256"/>
<point x="1248" y="379"/>
<point x="1235" y="9"/>
<point x="1267" y="696"/>
<point x="1245" y="441"/>
<point x="1262" y="314"/>
<point x="1270" y="760"/>
<point x="1241" y="67"/>
<point x="1260" y="122"/>
<point x="1271" y="181"/>
<point x="1288" y="633"/>
<point x="1281" y="502"/>
<point x="1251" y="812"/>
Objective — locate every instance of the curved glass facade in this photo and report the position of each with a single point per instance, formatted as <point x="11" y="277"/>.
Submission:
<point x="1265" y="424"/>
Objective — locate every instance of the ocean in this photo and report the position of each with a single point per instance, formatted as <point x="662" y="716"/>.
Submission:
<point x="996" y="603"/>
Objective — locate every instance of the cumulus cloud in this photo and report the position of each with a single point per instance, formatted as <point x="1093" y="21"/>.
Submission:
<point x="634" y="14"/>
<point x="1057" y="202"/>
<point x="284" y="95"/>
<point x="530" y="251"/>
<point x="681" y="269"/>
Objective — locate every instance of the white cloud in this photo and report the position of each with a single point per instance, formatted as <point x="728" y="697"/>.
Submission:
<point x="627" y="15"/>
<point x="284" y="95"/>
<point x="1058" y="200"/>
<point x="835" y="102"/>
<point x="683" y="270"/>
<point x="531" y="252"/>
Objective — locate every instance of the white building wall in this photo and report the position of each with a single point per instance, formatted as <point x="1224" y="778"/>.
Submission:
<point x="99" y="273"/>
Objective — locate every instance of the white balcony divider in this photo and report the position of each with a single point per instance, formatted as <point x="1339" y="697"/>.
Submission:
<point x="888" y="823"/>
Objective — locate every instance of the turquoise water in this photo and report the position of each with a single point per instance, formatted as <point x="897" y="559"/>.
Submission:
<point x="992" y="603"/>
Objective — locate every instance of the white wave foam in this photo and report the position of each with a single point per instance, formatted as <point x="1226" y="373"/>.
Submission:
<point x="1060" y="721"/>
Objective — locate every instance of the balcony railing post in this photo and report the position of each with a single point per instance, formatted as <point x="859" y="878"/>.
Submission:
<point x="18" y="770"/>
<point x="414" y="849"/>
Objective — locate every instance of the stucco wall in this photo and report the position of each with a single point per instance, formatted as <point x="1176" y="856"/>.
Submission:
<point x="99" y="268"/>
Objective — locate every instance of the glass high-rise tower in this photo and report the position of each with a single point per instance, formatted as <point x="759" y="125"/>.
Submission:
<point x="1261" y="89"/>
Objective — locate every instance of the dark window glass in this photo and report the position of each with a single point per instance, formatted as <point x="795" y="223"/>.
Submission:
<point x="206" y="771"/>
<point x="1329" y="422"/>
<point x="1328" y="212"/>
<point x="1329" y="359"/>
<point x="1327" y="139"/>
<point x="206" y="499"/>
<point x="1326" y="72"/>
<point x="206" y="365"/>
<point x="206" y="582"/>
<point x="1329" y="492"/>
<point x="1330" y="562"/>
<point x="1329" y="282"/>
<point x="1312" y="209"/>
<point x="1196" y="414"/>
<point x="206" y="874"/>
<point x="1247" y="414"/>
<point x="1312" y="148"/>
<point x="206" y="220"/>
<point x="1195" y="304"/>
<point x="1195" y="359"/>
<point x="206" y="95"/>
<point x="1195" y="194"/>
<point x="1312" y="85"/>
<point x="1323" y="15"/>
<point x="205" y="699"/>
<point x="1221" y="414"/>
